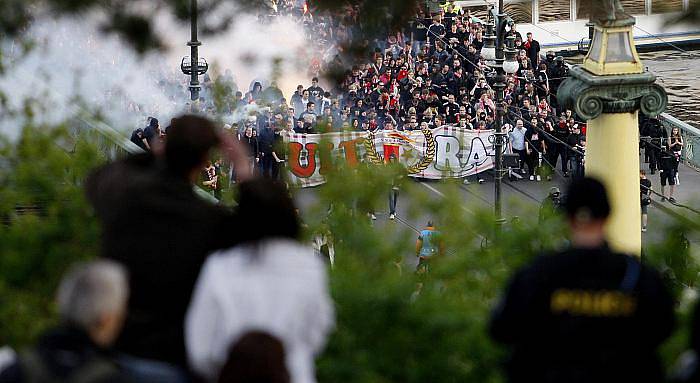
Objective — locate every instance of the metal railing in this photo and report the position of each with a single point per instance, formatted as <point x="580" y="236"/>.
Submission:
<point x="691" y="139"/>
<point x="114" y="145"/>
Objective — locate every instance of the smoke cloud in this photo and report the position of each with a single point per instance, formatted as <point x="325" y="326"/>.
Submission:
<point x="72" y="57"/>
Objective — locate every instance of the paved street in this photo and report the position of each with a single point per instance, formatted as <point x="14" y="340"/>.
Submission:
<point x="522" y="196"/>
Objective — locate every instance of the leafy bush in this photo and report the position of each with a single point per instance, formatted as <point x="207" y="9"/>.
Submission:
<point x="46" y="226"/>
<point x="398" y="326"/>
<point x="392" y="324"/>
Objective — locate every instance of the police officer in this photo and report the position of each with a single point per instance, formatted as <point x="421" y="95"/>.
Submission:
<point x="656" y="137"/>
<point x="549" y="60"/>
<point x="558" y="73"/>
<point x="586" y="314"/>
<point x="551" y="205"/>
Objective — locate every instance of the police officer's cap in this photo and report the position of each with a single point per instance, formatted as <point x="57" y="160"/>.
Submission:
<point x="587" y="199"/>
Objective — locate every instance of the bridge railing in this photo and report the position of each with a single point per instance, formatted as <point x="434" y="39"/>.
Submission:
<point x="691" y="139"/>
<point x="116" y="145"/>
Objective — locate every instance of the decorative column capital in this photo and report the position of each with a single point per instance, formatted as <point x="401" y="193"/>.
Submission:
<point x="590" y="95"/>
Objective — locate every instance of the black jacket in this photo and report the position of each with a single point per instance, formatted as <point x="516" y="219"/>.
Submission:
<point x="584" y="315"/>
<point x="162" y="232"/>
<point x="62" y="355"/>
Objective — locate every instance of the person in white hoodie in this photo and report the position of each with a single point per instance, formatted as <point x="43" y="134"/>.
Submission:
<point x="270" y="282"/>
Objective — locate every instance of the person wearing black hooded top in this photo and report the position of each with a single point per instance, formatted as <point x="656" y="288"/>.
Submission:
<point x="139" y="140"/>
<point x="657" y="138"/>
<point x="154" y="191"/>
<point x="152" y="132"/>
<point x="585" y="314"/>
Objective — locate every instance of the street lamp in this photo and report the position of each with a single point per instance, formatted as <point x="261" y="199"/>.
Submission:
<point x="488" y="51"/>
<point x="494" y="52"/>
<point x="608" y="90"/>
<point x="511" y="65"/>
<point x="192" y="65"/>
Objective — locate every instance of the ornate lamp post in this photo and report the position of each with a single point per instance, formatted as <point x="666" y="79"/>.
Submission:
<point x="608" y="90"/>
<point x="192" y="65"/>
<point x="494" y="51"/>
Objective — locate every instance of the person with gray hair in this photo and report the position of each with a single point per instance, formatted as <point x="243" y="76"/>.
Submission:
<point x="93" y="297"/>
<point x="92" y="300"/>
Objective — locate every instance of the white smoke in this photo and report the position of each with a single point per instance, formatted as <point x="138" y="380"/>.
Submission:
<point x="73" y="57"/>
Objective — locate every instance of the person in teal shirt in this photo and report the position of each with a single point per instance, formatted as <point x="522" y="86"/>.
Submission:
<point x="428" y="245"/>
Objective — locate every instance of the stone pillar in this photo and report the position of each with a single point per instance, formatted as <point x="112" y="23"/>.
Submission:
<point x="610" y="104"/>
<point x="612" y="156"/>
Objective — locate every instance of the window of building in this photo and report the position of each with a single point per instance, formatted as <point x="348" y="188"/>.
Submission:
<point x="519" y="11"/>
<point x="554" y="10"/>
<point x="666" y="6"/>
<point x="478" y="12"/>
<point x="632" y="7"/>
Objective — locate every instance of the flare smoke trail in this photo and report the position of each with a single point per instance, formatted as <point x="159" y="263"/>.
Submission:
<point x="73" y="58"/>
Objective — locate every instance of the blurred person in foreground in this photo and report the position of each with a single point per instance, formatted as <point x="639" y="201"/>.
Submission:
<point x="585" y="314"/>
<point x="270" y="282"/>
<point x="91" y="302"/>
<point x="257" y="357"/>
<point x="154" y="224"/>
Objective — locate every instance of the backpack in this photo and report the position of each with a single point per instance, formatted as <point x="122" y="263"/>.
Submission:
<point x="429" y="247"/>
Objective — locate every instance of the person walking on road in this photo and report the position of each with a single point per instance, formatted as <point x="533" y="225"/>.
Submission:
<point x="428" y="246"/>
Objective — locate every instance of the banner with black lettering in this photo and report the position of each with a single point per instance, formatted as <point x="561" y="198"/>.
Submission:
<point x="445" y="152"/>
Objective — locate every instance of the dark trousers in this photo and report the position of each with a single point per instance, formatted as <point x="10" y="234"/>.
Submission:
<point x="522" y="154"/>
<point x="393" y="197"/>
<point x="576" y="166"/>
<point x="267" y="164"/>
<point x="647" y="152"/>
<point x="276" y="166"/>
<point x="557" y="150"/>
<point x="532" y="161"/>
<point x="653" y="158"/>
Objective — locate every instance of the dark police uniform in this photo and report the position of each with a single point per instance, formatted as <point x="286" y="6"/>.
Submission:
<point x="584" y="315"/>
<point x="657" y="134"/>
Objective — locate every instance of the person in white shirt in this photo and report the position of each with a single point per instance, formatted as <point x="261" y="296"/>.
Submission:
<point x="271" y="283"/>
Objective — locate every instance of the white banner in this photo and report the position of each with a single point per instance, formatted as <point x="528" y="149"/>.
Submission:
<point x="445" y="152"/>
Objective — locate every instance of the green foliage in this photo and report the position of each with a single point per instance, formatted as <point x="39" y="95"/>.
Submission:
<point x="46" y="224"/>
<point x="393" y="325"/>
<point x="398" y="326"/>
<point x="133" y="22"/>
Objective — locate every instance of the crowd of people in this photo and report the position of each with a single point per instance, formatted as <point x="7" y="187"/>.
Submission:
<point x="429" y="74"/>
<point x="244" y="299"/>
<point x="145" y="312"/>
